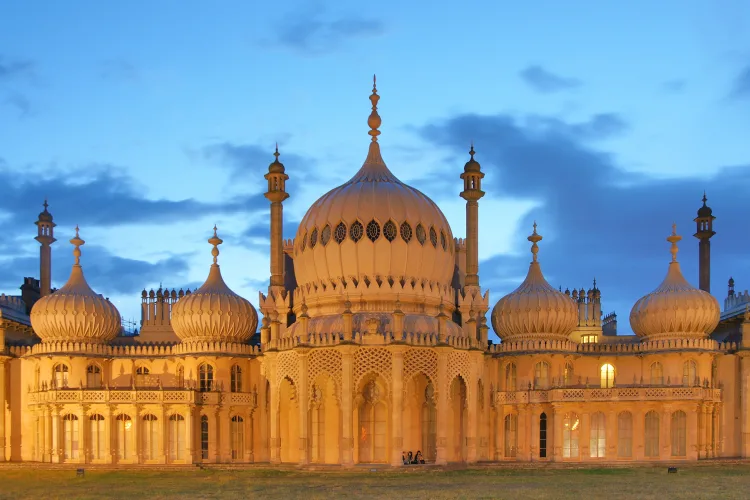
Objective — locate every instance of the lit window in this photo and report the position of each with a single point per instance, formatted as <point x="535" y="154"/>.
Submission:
<point x="206" y="374"/>
<point x="568" y="375"/>
<point x="236" y="379"/>
<point x="625" y="435"/>
<point x="571" y="434"/>
<point x="607" y="376"/>
<point x="589" y="339"/>
<point x="511" y="435"/>
<point x="541" y="375"/>
<point x="93" y="377"/>
<point x="598" y="436"/>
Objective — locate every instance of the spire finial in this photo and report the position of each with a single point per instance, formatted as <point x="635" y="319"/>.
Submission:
<point x="704" y="198"/>
<point x="673" y="239"/>
<point x="276" y="153"/>
<point x="215" y="241"/>
<point x="594" y="283"/>
<point x="374" y="120"/>
<point x="471" y="151"/>
<point x="534" y="239"/>
<point x="77" y="243"/>
<point x="45" y="204"/>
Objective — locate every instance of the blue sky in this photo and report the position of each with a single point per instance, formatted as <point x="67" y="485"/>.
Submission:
<point x="148" y="122"/>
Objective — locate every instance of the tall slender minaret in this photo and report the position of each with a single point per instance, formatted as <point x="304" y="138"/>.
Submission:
<point x="45" y="228"/>
<point x="276" y="194"/>
<point x="472" y="192"/>
<point x="704" y="223"/>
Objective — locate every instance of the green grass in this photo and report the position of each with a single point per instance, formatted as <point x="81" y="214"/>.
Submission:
<point x="707" y="481"/>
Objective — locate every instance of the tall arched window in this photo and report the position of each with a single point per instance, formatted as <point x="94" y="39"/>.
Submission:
<point x="123" y="429"/>
<point x="236" y="379"/>
<point x="98" y="435"/>
<point x="625" y="434"/>
<point x="70" y="437"/>
<point x="568" y="375"/>
<point x="511" y="435"/>
<point x="679" y="434"/>
<point x="238" y="437"/>
<point x="93" y="377"/>
<point x="60" y="373"/>
<point x="607" y="372"/>
<point x="651" y="441"/>
<point x="204" y="437"/>
<point x="141" y="376"/>
<point x="543" y="435"/>
<point x="657" y="373"/>
<point x="598" y="436"/>
<point x="571" y="434"/>
<point x="206" y="374"/>
<point x="150" y="437"/>
<point x="541" y="375"/>
<point x="176" y="437"/>
<point x="689" y="373"/>
<point x="510" y="377"/>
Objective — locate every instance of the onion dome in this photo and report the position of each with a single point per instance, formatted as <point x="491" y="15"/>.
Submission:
<point x="276" y="167"/>
<point x="705" y="210"/>
<point x="534" y="310"/>
<point x="374" y="227"/>
<point x="45" y="216"/>
<point x="472" y="165"/>
<point x="214" y="313"/>
<point x="75" y="313"/>
<point x="676" y="309"/>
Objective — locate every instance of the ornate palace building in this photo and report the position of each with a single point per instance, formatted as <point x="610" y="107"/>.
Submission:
<point x="373" y="342"/>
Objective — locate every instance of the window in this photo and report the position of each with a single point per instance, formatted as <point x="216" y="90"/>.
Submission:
<point x="511" y="435"/>
<point x="568" y="375"/>
<point x="93" y="377"/>
<point x="373" y="230"/>
<point x="304" y="242"/>
<point x="589" y="339"/>
<point x="355" y="231"/>
<point x="389" y="230"/>
<point x="421" y="235"/>
<point x="314" y="238"/>
<point x="236" y="379"/>
<point x="607" y="376"/>
<point x="70" y="437"/>
<point x="541" y="375"/>
<point x="679" y="434"/>
<point x="652" y="435"/>
<point x="510" y="377"/>
<point x="657" y="374"/>
<point x="433" y="237"/>
<point x="340" y="233"/>
<point x="180" y="376"/>
<point x="176" y="437"/>
<point x="543" y="435"/>
<point x="443" y="241"/>
<point x="60" y="373"/>
<point x="571" y="433"/>
<point x="123" y="428"/>
<point x="625" y="435"/>
<point x="150" y="437"/>
<point x="98" y="436"/>
<point x="206" y="374"/>
<point x="204" y="437"/>
<point x="689" y="374"/>
<point x="325" y="235"/>
<point x="406" y="232"/>
<point x="141" y="376"/>
<point x="238" y="437"/>
<point x="598" y="436"/>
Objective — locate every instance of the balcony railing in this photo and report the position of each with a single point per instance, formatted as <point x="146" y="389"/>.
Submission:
<point x="609" y="395"/>
<point x="115" y="396"/>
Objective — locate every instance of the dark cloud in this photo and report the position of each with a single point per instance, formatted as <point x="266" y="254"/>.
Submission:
<point x="12" y="68"/>
<point x="19" y="102"/>
<point x="741" y="84"/>
<point x="118" y="70"/>
<point x="598" y="219"/>
<point x="546" y="82"/>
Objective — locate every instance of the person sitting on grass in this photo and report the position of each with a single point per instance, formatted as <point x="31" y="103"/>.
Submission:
<point x="404" y="459"/>
<point x="419" y="458"/>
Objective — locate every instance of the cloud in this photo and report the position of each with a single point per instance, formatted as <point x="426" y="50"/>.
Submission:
<point x="674" y="86"/>
<point x="741" y="85"/>
<point x="20" y="103"/>
<point x="598" y="219"/>
<point x="10" y="68"/>
<point x="545" y="82"/>
<point x="118" y="70"/>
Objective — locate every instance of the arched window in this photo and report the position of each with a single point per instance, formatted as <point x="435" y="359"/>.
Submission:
<point x="598" y="436"/>
<point x="651" y="441"/>
<point x="204" y="437"/>
<point x="657" y="373"/>
<point x="238" y="437"/>
<point x="543" y="435"/>
<point x="70" y="437"/>
<point x="150" y="437"/>
<point x="689" y="373"/>
<point x="607" y="372"/>
<point x="625" y="434"/>
<point x="123" y="428"/>
<point x="356" y="230"/>
<point x="406" y="232"/>
<point x="568" y="374"/>
<point x="206" y="374"/>
<point x="679" y="434"/>
<point x="511" y="435"/>
<point x="340" y="233"/>
<point x="176" y="437"/>
<point x="236" y="379"/>
<point x="541" y="375"/>
<point x="390" y="231"/>
<point x="510" y="377"/>
<point x="571" y="434"/>
<point x="98" y="436"/>
<point x="93" y="377"/>
<point x="373" y="230"/>
<point x="60" y="374"/>
<point x="141" y="376"/>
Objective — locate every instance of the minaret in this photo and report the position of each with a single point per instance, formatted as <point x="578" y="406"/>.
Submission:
<point x="276" y="194"/>
<point x="45" y="228"/>
<point x="704" y="223"/>
<point x="472" y="192"/>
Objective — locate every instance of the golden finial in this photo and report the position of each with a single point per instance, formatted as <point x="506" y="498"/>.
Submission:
<point x="374" y="120"/>
<point x="77" y="242"/>
<point x="215" y="241"/>
<point x="276" y="153"/>
<point x="534" y="239"/>
<point x="673" y="239"/>
<point x="471" y="151"/>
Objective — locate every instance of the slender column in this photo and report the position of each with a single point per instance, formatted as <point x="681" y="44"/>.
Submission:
<point x="639" y="435"/>
<point x="472" y="247"/>
<point x="2" y="405"/>
<point x="471" y="428"/>
<point x="557" y="433"/>
<point x="138" y="450"/>
<point x="189" y="426"/>
<point x="523" y="452"/>
<point x="499" y="450"/>
<point x="584" y="445"/>
<point x="347" y="439"/>
<point x="277" y="249"/>
<point x="48" y="445"/>
<point x="716" y="440"/>
<point x="442" y="408"/>
<point x="700" y="431"/>
<point x="56" y="435"/>
<point x="108" y="436"/>
<point x="164" y="441"/>
<point x="665" y="438"/>
<point x="534" y="452"/>
<point x="83" y="447"/>
<point x="274" y="425"/>
<point x="397" y="428"/>
<point x="708" y="417"/>
<point x="304" y="413"/>
<point x="249" y="438"/>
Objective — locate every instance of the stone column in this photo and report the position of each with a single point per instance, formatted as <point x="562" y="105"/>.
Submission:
<point x="2" y="400"/>
<point x="189" y="434"/>
<point x="49" y="445"/>
<point x="108" y="436"/>
<point x="639" y="435"/>
<point x="304" y="413"/>
<point x="695" y="424"/>
<point x="665" y="437"/>
<point x="523" y="452"/>
<point x="137" y="429"/>
<point x="584" y="443"/>
<point x="249" y="438"/>
<point x="83" y="441"/>
<point x="442" y="408"/>
<point x="499" y="436"/>
<point x="347" y="390"/>
<point x="275" y="440"/>
<point x="708" y="417"/>
<point x="471" y="428"/>
<point x="397" y="428"/>
<point x="56" y="440"/>
<point x="164" y="438"/>
<point x="745" y="402"/>
<point x="533" y="433"/>
<point x="557" y="432"/>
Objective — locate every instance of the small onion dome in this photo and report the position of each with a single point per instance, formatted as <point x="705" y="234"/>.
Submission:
<point x="276" y="167"/>
<point x="214" y="313"/>
<point x="75" y="313"/>
<point x="45" y="216"/>
<point x="534" y="310"/>
<point x="705" y="210"/>
<point x="472" y="165"/>
<point x="675" y="309"/>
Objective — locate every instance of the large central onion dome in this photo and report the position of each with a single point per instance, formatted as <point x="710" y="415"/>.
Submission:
<point x="374" y="227"/>
<point x="676" y="309"/>
<point x="534" y="310"/>
<point x="75" y="313"/>
<point x="214" y="313"/>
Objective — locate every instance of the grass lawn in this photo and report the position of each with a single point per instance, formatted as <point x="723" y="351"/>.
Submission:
<point x="709" y="481"/>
